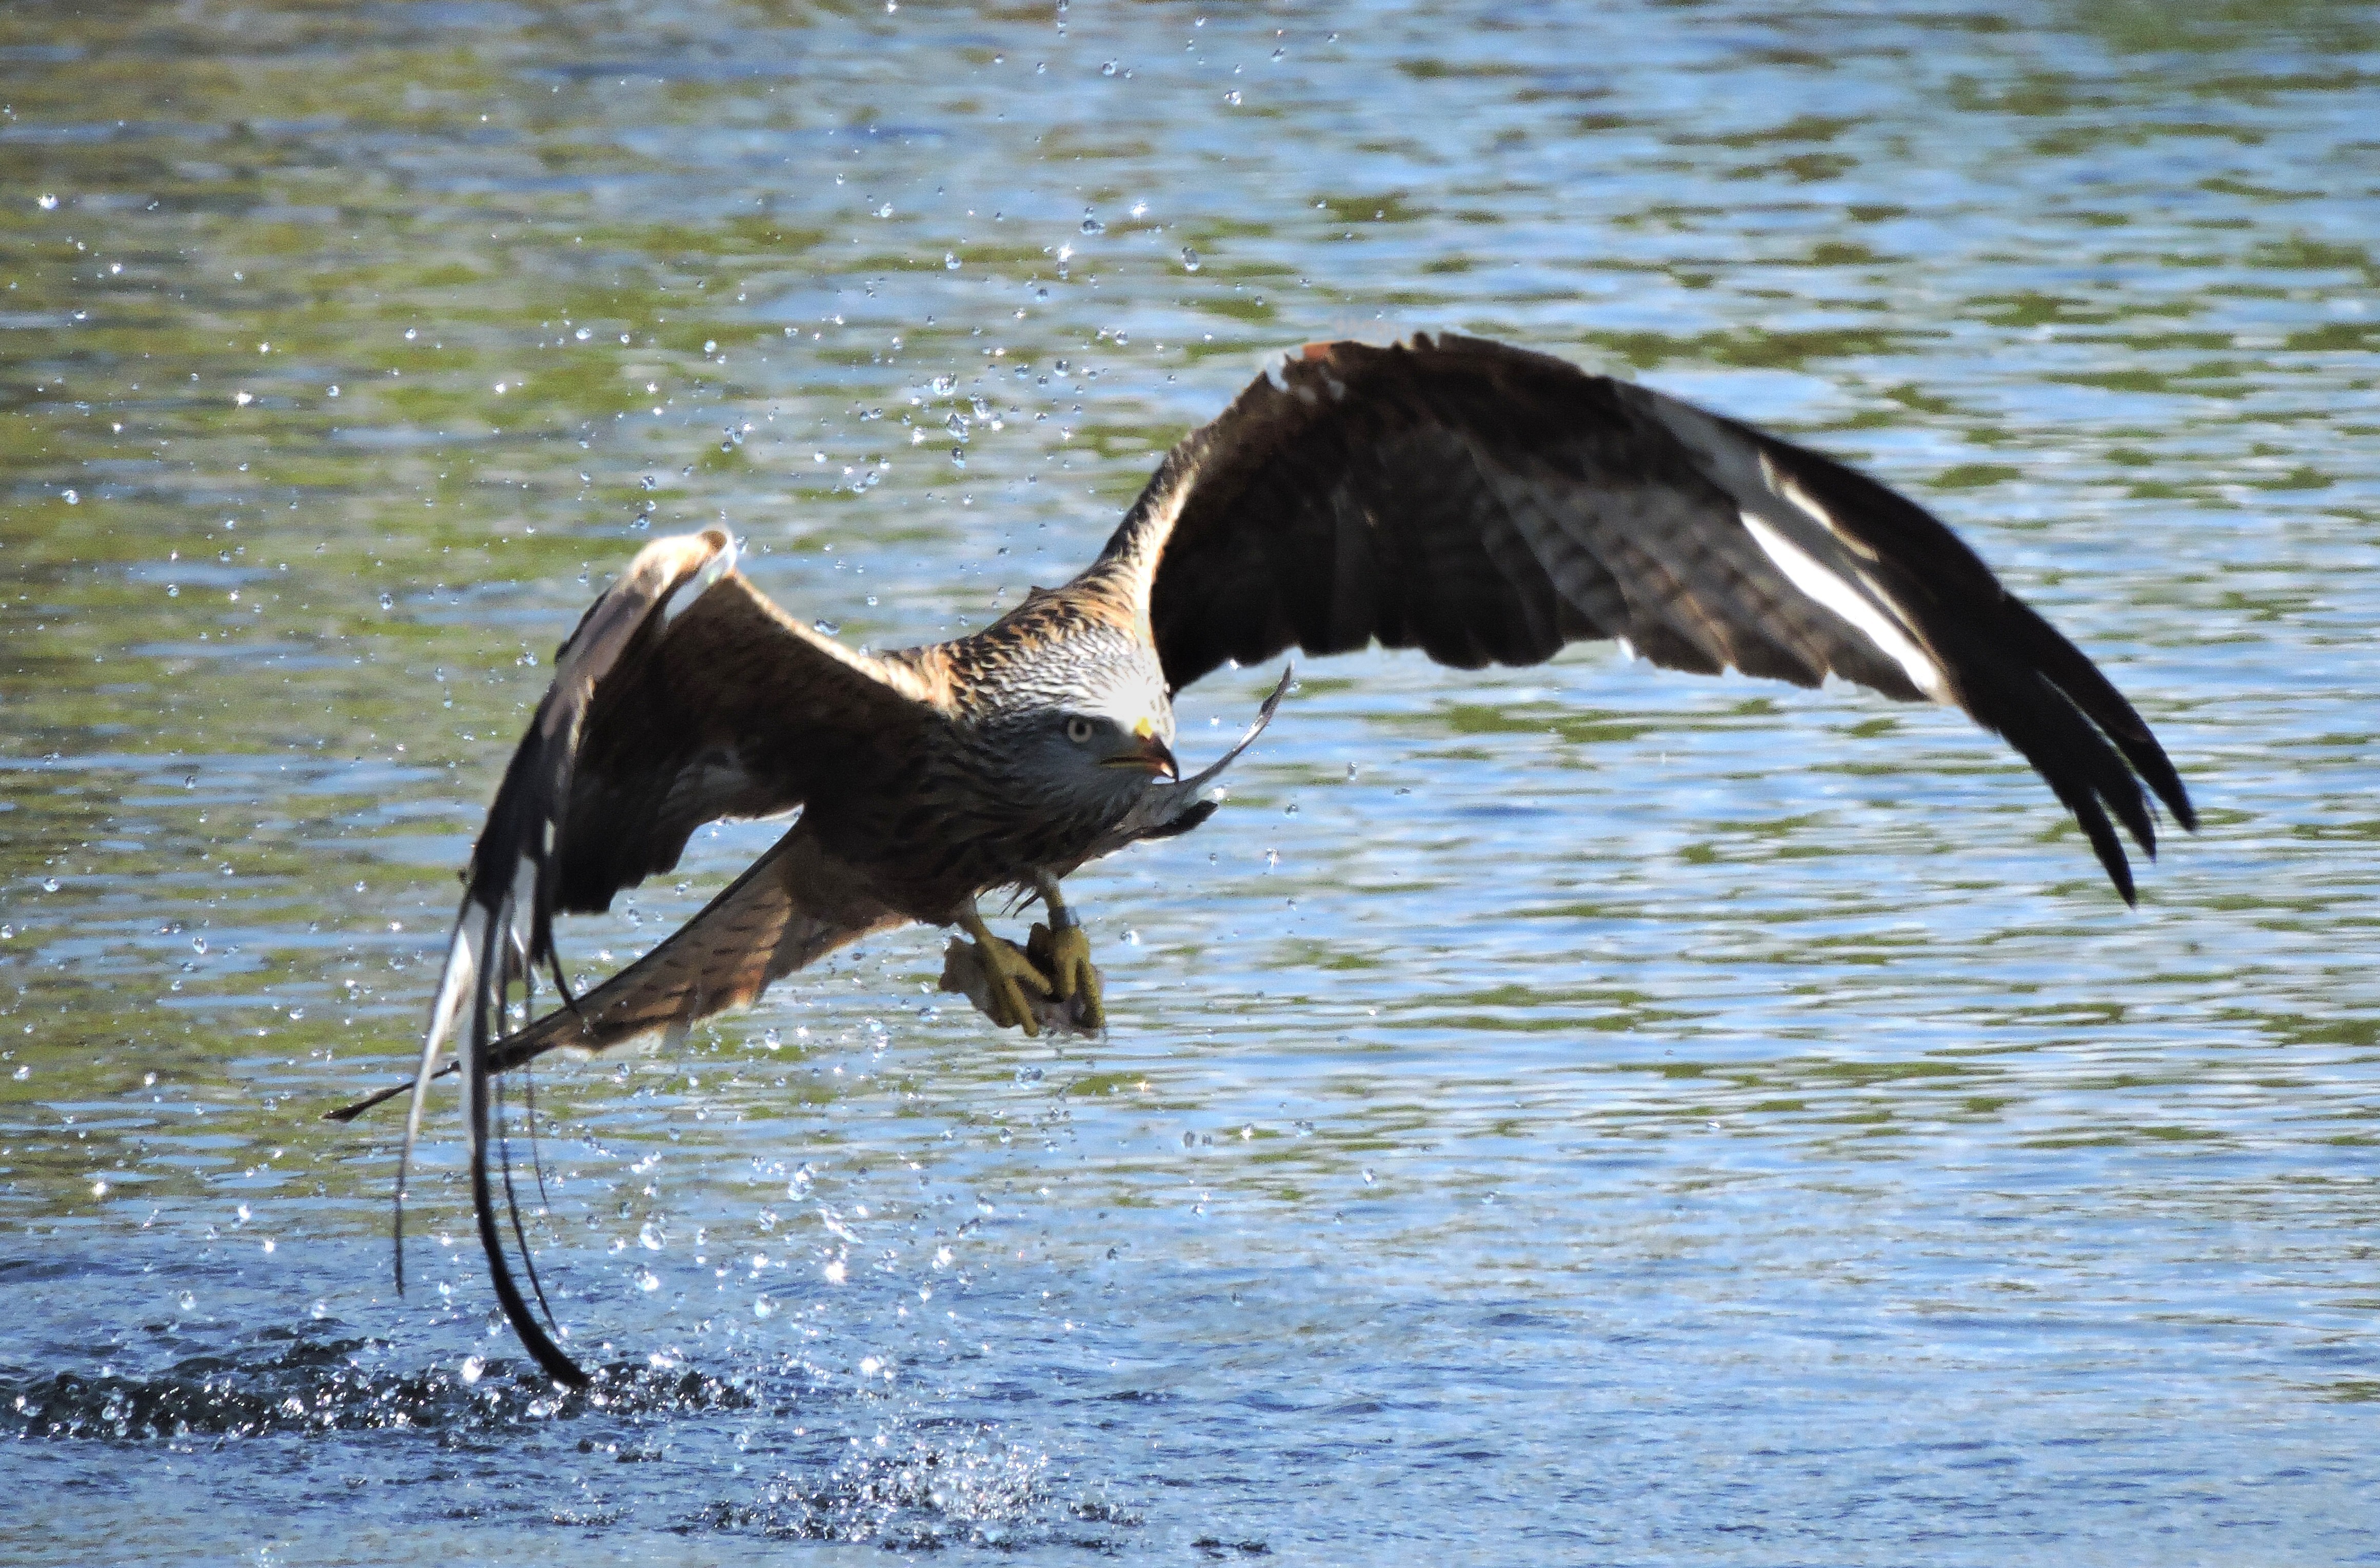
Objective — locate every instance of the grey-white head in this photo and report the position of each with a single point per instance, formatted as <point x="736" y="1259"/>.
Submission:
<point x="1081" y="724"/>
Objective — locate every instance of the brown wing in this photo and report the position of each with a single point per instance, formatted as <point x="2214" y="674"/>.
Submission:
<point x="795" y="905"/>
<point x="792" y="907"/>
<point x="683" y="697"/>
<point x="730" y="709"/>
<point x="1489" y="506"/>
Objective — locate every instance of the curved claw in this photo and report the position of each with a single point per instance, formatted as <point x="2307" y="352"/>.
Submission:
<point x="1009" y="974"/>
<point x="1065" y="955"/>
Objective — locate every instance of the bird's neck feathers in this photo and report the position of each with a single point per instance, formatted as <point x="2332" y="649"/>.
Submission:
<point x="1105" y="597"/>
<point x="1055" y="646"/>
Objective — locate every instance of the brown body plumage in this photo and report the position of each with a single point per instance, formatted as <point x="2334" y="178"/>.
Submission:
<point x="1481" y="502"/>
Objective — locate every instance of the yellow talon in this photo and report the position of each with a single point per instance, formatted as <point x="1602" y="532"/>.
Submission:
<point x="1007" y="973"/>
<point x="1064" y="955"/>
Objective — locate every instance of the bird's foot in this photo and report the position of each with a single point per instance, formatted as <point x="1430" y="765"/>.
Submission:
<point x="966" y="971"/>
<point x="1012" y="982"/>
<point x="1064" y="955"/>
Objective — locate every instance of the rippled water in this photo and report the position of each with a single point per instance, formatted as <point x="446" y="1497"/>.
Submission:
<point x="1574" y="1114"/>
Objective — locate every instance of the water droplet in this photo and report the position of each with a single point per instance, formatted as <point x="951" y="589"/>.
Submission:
<point x="649" y="1236"/>
<point x="187" y="1301"/>
<point x="473" y="1368"/>
<point x="835" y="1273"/>
<point x="762" y="1306"/>
<point x="582" y="334"/>
<point x="885" y="210"/>
<point x="771" y="1038"/>
<point x="50" y="884"/>
<point x="173" y="590"/>
<point x="48" y="203"/>
<point x="958" y="425"/>
<point x="242" y="1212"/>
<point x="1232" y="98"/>
<point x="1368" y="1178"/>
<point x="958" y="456"/>
<point x="943" y="385"/>
<point x="829" y="627"/>
<point x="99" y="1189"/>
<point x="1091" y="224"/>
<point x="1109" y="69"/>
<point x="198" y="944"/>
<point x="74" y="499"/>
<point x="950" y="260"/>
<point x="711" y="345"/>
<point x="646" y="1280"/>
<point x="1189" y="260"/>
<point x="388" y="600"/>
<point x="982" y="409"/>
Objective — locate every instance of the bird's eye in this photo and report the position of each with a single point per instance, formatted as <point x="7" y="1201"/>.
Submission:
<point x="1078" y="731"/>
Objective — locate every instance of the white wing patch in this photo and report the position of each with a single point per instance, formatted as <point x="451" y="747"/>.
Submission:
<point x="721" y="562"/>
<point x="1855" y="600"/>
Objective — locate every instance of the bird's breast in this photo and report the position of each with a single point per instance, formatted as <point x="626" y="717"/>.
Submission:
<point x="954" y="826"/>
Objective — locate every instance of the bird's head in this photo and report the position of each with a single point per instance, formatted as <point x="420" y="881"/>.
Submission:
<point x="1134" y="746"/>
<point x="1106" y="737"/>
<point x="1091" y="722"/>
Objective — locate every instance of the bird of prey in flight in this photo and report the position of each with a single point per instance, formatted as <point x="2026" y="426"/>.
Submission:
<point x="1482" y="503"/>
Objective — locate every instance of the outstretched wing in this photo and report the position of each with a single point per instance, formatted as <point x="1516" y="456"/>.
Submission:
<point x="792" y="907"/>
<point x="683" y="697"/>
<point x="1488" y="504"/>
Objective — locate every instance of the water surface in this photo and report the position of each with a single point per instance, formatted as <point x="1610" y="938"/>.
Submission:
<point x="1578" y="1115"/>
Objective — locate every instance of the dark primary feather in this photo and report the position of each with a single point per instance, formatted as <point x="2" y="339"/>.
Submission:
<point x="1488" y="504"/>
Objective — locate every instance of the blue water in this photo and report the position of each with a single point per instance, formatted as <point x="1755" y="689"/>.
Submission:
<point x="1582" y="1114"/>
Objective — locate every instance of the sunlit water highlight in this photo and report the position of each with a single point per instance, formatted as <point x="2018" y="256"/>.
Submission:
<point x="1573" y="1114"/>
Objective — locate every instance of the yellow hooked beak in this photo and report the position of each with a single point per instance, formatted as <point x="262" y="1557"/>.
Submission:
<point x="1149" y="752"/>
